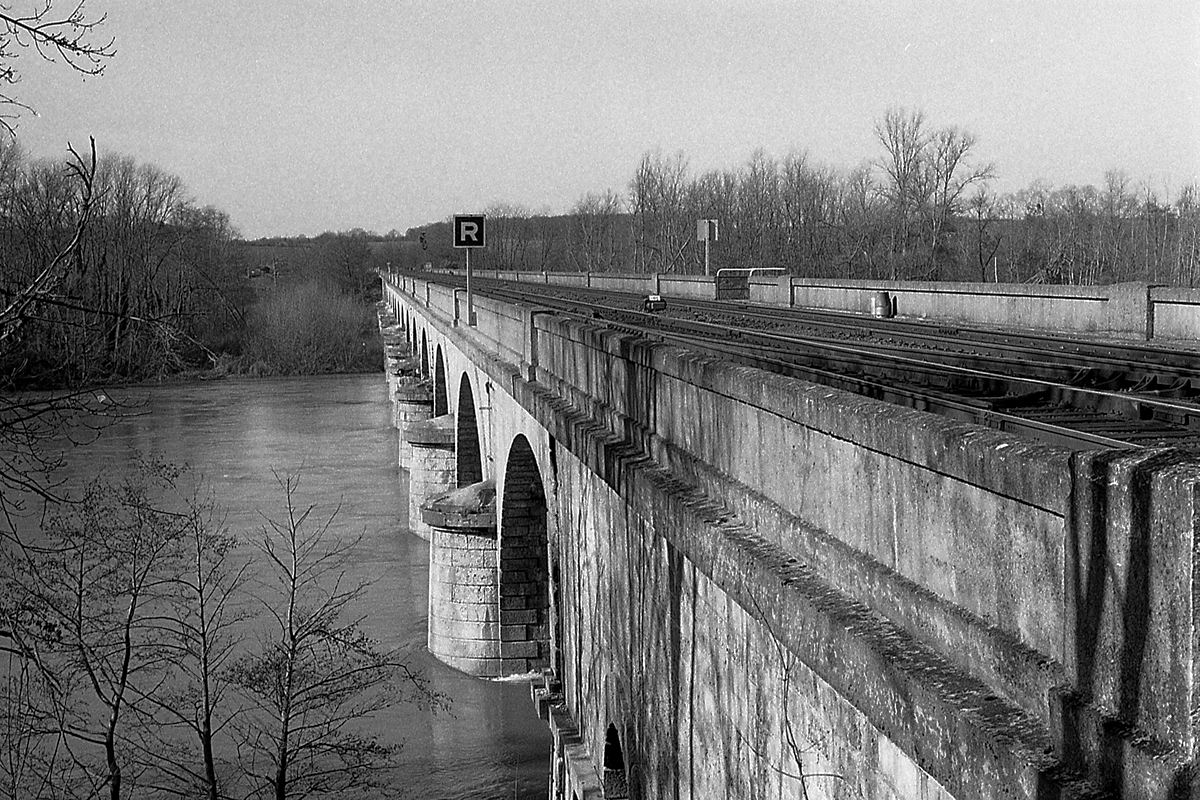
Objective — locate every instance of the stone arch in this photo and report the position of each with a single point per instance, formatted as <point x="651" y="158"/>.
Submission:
<point x="615" y="773"/>
<point x="524" y="564"/>
<point x="424" y="355"/>
<point x="441" y="402"/>
<point x="469" y="459"/>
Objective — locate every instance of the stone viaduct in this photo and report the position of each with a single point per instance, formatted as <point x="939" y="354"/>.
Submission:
<point x="728" y="583"/>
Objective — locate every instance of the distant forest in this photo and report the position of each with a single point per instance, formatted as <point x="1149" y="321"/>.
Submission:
<point x="923" y="209"/>
<point x="111" y="272"/>
<point x="134" y="281"/>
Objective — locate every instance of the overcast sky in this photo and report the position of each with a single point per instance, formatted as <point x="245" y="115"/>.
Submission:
<point x="304" y="116"/>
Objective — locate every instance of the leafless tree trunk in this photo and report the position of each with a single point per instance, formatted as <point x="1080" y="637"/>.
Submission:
<point x="317" y="675"/>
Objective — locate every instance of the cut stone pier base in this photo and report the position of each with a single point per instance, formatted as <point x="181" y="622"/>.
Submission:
<point x="464" y="606"/>
<point x="411" y="403"/>
<point x="432" y="470"/>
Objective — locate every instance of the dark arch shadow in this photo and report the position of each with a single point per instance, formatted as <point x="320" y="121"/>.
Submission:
<point x="616" y="774"/>
<point x="424" y="356"/>
<point x="469" y="461"/>
<point x="441" y="402"/>
<point x="524" y="563"/>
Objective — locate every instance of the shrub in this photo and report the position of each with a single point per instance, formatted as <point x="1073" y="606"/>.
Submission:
<point x="310" y="328"/>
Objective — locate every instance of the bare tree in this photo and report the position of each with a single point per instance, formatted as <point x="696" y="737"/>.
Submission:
<point x="927" y="173"/>
<point x="1187" y="241"/>
<point x="83" y="613"/>
<point x="595" y="245"/>
<point x="315" y="675"/>
<point x="985" y="240"/>
<point x="662" y="230"/>
<point x="69" y="37"/>
<point x="947" y="175"/>
<point x="904" y="138"/>
<point x="189" y="710"/>
<point x="507" y="237"/>
<point x="24" y="300"/>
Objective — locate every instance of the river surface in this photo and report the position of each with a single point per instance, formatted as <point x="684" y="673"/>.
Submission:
<point x="336" y="431"/>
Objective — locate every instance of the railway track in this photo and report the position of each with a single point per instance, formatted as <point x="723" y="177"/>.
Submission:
<point x="1069" y="392"/>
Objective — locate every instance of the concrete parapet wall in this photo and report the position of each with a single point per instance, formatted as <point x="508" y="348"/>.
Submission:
<point x="567" y="278"/>
<point x="504" y="326"/>
<point x="641" y="283"/>
<point x="698" y="287"/>
<point x="1082" y="309"/>
<point x="1175" y="312"/>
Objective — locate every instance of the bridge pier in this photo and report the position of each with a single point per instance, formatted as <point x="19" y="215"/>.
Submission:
<point x="464" y="606"/>
<point x="411" y="403"/>
<point x="402" y="370"/>
<point x="432" y="470"/>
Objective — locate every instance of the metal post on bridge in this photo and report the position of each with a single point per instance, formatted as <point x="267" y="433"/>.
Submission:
<point x="470" y="294"/>
<point x="469" y="234"/>
<point x="706" y="231"/>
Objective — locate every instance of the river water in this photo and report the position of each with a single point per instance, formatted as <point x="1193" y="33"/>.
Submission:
<point x="336" y="431"/>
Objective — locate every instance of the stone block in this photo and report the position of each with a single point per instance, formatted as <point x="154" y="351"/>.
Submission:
<point x="451" y="647"/>
<point x="479" y="667"/>
<point x="459" y="593"/>
<point x="517" y="666"/>
<point x="510" y="649"/>
<point x="464" y="629"/>
<point x="466" y="612"/>
<point x="445" y="574"/>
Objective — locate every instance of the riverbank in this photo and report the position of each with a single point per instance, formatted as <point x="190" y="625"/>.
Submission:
<point x="225" y="368"/>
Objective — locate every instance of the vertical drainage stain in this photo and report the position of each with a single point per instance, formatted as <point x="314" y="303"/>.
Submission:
<point x="674" y="588"/>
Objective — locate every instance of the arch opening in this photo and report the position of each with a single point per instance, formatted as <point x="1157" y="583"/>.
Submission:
<point x="469" y="465"/>
<point x="616" y="776"/>
<point x="524" y="563"/>
<point x="424" y="355"/>
<point x="441" y="403"/>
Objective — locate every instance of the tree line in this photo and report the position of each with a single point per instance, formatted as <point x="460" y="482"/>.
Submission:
<point x="146" y="283"/>
<point x="922" y="209"/>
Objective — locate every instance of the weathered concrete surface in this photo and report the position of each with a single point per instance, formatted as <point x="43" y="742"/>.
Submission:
<point x="1174" y="313"/>
<point x="742" y="563"/>
<point x="464" y="585"/>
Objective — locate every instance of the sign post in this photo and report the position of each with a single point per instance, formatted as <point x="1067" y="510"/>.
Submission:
<point x="469" y="234"/>
<point x="706" y="231"/>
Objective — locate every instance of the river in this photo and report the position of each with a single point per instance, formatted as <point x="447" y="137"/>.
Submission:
<point x="336" y="431"/>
